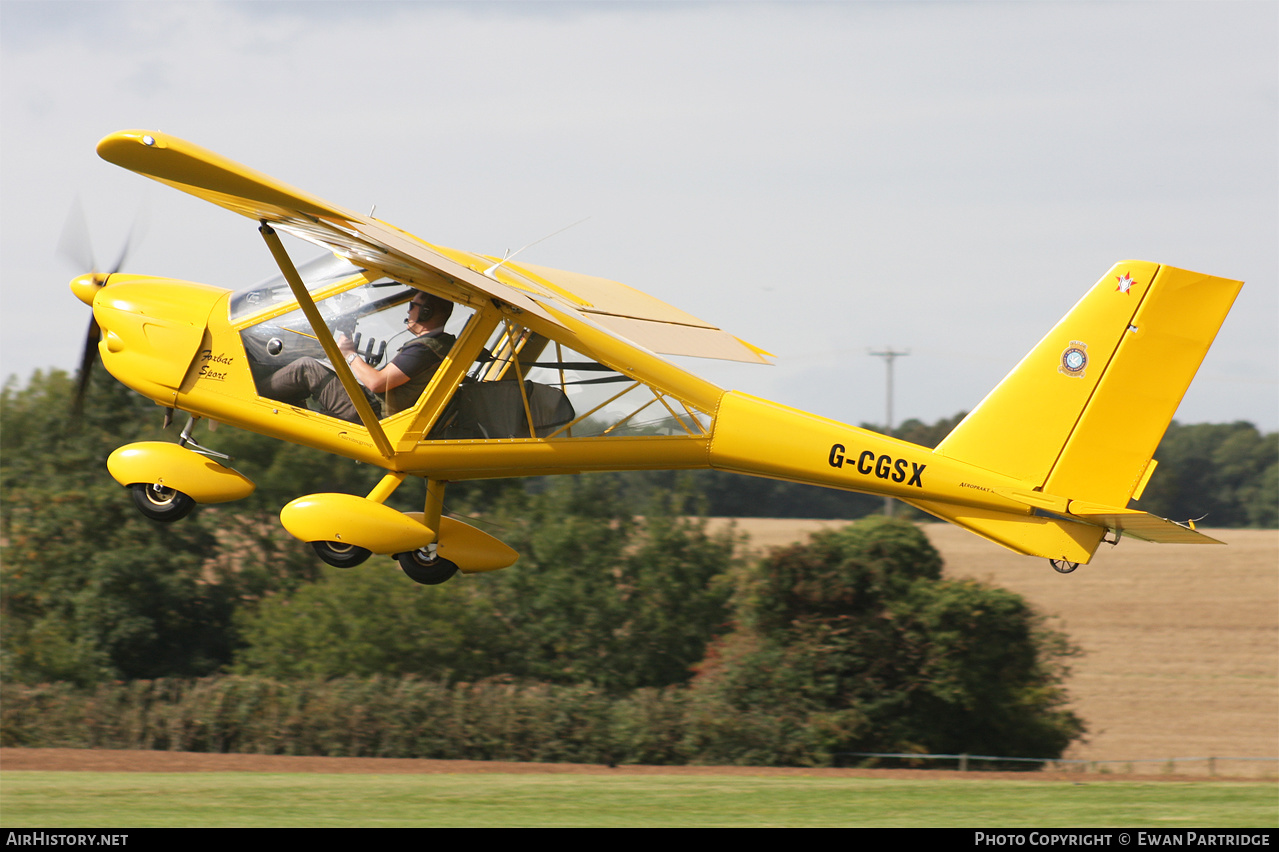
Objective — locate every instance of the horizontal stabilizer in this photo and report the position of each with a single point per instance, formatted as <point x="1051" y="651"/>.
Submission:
<point x="1142" y="525"/>
<point x="1028" y="534"/>
<point x="1132" y="522"/>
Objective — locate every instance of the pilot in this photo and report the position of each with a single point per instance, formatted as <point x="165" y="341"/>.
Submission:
<point x="398" y="384"/>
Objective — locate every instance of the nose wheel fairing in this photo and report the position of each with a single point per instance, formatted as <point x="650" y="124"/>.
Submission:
<point x="171" y="467"/>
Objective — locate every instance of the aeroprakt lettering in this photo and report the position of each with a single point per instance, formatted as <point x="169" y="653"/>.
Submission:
<point x="881" y="466"/>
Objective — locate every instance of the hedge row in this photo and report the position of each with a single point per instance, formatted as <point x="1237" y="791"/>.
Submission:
<point x="353" y="717"/>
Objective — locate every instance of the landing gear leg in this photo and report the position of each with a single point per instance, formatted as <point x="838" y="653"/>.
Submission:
<point x="187" y="439"/>
<point x="425" y="565"/>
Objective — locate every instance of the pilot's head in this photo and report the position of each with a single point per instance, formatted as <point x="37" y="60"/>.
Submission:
<point x="428" y="312"/>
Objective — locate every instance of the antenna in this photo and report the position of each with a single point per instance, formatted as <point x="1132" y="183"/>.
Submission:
<point x="488" y="273"/>
<point x="889" y="354"/>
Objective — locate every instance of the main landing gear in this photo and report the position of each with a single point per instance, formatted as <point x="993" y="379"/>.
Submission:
<point x="422" y="566"/>
<point x="425" y="566"/>
<point x="340" y="555"/>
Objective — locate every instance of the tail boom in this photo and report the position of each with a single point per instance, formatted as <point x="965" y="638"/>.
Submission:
<point x="762" y="438"/>
<point x="1046" y="464"/>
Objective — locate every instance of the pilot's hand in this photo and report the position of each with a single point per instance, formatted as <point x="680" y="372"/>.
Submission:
<point x="344" y="344"/>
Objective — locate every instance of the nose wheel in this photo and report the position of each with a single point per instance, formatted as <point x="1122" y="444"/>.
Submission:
<point x="161" y="504"/>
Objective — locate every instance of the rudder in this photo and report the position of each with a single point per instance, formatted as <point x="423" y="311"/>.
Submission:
<point x="1078" y="420"/>
<point x="1081" y="415"/>
<point x="1108" y="457"/>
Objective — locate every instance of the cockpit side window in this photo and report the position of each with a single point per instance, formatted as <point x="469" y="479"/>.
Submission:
<point x="382" y="321"/>
<point x="527" y="386"/>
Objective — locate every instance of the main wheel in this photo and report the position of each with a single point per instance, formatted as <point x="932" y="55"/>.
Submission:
<point x="161" y="504"/>
<point x="428" y="572"/>
<point x="340" y="555"/>
<point x="1062" y="566"/>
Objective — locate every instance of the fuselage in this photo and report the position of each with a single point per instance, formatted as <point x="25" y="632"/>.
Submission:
<point x="189" y="347"/>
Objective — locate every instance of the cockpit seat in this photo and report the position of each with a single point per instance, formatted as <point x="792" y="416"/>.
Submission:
<point x="496" y="410"/>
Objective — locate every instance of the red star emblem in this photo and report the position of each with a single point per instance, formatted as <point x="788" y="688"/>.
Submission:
<point x="1125" y="282"/>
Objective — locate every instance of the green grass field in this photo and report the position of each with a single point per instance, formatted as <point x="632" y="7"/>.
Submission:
<point x="216" y="799"/>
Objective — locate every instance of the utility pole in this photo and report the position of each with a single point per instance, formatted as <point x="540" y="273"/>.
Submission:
<point x="889" y="354"/>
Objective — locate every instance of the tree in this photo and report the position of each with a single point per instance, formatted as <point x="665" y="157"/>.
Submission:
<point x="369" y="620"/>
<point x="924" y="434"/>
<point x="598" y="596"/>
<point x="1225" y="473"/>
<point x="854" y="642"/>
<point x="993" y="673"/>
<point x="90" y="592"/>
<point x="602" y="597"/>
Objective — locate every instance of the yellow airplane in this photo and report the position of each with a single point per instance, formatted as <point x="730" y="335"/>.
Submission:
<point x="446" y="365"/>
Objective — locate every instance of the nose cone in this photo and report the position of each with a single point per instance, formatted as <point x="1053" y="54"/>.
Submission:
<point x="151" y="329"/>
<point x="87" y="286"/>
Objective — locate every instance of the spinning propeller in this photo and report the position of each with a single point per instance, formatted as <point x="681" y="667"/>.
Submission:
<point x="75" y="246"/>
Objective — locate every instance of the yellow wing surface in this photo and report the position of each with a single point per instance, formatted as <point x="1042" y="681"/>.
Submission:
<point x="370" y="243"/>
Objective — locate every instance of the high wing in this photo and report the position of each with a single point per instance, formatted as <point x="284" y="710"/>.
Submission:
<point x="618" y="310"/>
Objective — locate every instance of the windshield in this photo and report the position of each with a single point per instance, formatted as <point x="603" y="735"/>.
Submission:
<point x="316" y="275"/>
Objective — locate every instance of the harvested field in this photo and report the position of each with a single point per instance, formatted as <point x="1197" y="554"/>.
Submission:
<point x="1181" y="642"/>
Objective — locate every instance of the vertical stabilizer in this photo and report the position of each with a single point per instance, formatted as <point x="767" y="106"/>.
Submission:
<point x="1081" y="415"/>
<point x="1108" y="456"/>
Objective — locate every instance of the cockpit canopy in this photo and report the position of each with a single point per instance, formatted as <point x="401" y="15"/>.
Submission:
<point x="519" y="384"/>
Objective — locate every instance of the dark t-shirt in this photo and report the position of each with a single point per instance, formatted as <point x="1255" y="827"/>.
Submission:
<point x="418" y="359"/>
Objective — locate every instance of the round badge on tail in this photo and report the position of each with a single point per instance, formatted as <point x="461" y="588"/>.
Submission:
<point x="1074" y="361"/>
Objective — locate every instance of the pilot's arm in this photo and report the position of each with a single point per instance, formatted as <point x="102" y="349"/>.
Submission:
<point x="378" y="381"/>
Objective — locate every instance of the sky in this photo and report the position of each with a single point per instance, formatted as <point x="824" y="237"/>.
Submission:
<point x="821" y="179"/>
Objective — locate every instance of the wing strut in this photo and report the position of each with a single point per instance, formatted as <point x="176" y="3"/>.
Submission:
<point x="322" y="334"/>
